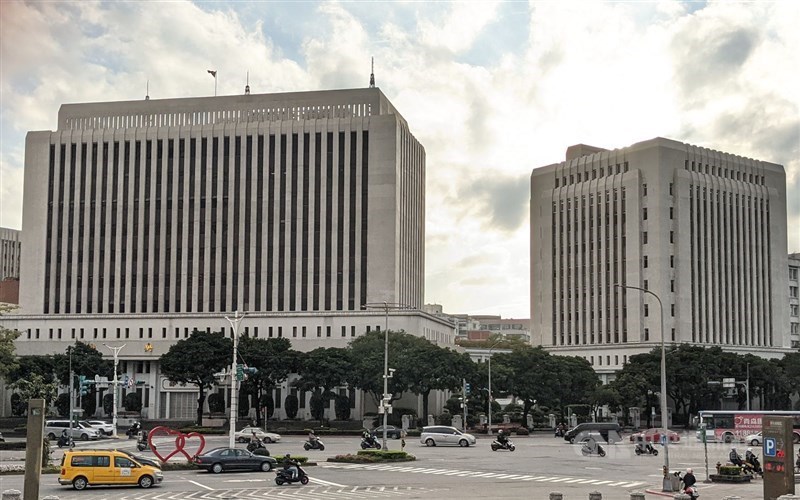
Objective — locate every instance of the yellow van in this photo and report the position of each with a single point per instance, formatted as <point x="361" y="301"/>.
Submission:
<point x="82" y="468"/>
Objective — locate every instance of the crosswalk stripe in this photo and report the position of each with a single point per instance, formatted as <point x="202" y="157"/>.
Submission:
<point x="561" y="479"/>
<point x="546" y="479"/>
<point x="601" y="482"/>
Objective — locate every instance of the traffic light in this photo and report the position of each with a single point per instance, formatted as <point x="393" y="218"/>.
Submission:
<point x="249" y="371"/>
<point x="239" y="372"/>
<point x="85" y="385"/>
<point x="467" y="388"/>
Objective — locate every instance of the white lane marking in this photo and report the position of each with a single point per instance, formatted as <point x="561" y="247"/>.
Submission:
<point x="561" y="479"/>
<point x="546" y="478"/>
<point x="324" y="483"/>
<point x="243" y="480"/>
<point x="201" y="485"/>
<point x="631" y="485"/>
<point x="601" y="482"/>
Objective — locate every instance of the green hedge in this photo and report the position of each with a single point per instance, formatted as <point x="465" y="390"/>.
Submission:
<point x="14" y="445"/>
<point x="11" y="470"/>
<point x="730" y="470"/>
<point x="204" y="430"/>
<point x="374" y="456"/>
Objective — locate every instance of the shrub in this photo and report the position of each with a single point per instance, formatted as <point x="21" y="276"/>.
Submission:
<point x="730" y="470"/>
<point x="108" y="404"/>
<point x="342" y="407"/>
<point x="290" y="405"/>
<point x="62" y="404"/>
<point x="89" y="404"/>
<point x="396" y="417"/>
<point x="18" y="406"/>
<point x="216" y="403"/>
<point x="522" y="431"/>
<point x="445" y="419"/>
<point x="317" y="403"/>
<point x="372" y="456"/>
<point x="203" y="430"/>
<point x="268" y="403"/>
<point x="300" y="460"/>
<point x="133" y="402"/>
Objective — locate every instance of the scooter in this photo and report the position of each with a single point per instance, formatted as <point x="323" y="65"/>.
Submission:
<point x="507" y="445"/>
<point x="283" y="476"/>
<point x="592" y="447"/>
<point x="141" y="441"/>
<point x="65" y="441"/>
<point x="314" y="445"/>
<point x="371" y="442"/>
<point x="255" y="445"/>
<point x="133" y="430"/>
<point x="645" y="449"/>
<point x="753" y="466"/>
<point x="691" y="491"/>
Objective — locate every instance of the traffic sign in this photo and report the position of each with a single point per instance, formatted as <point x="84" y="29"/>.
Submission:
<point x="770" y="447"/>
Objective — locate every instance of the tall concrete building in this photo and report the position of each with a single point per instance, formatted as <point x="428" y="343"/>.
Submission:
<point x="10" y="252"/>
<point x="794" y="300"/>
<point x="143" y="220"/>
<point x="703" y="230"/>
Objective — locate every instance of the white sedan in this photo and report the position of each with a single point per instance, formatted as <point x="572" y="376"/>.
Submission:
<point x="754" y="439"/>
<point x="103" y="427"/>
<point x="244" y="435"/>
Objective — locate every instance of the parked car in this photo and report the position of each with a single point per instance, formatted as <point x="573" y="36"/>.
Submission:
<point x="231" y="459"/>
<point x="244" y="435"/>
<point x="104" y="427"/>
<point x="654" y="436"/>
<point x="437" y="435"/>
<point x="82" y="468"/>
<point x="391" y="432"/>
<point x="54" y="428"/>
<point x="754" y="439"/>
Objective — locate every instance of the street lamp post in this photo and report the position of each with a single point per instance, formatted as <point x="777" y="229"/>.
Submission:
<point x="234" y="378"/>
<point x="667" y="486"/>
<point x="115" y="350"/>
<point x="386" y="375"/>
<point x="489" y="404"/>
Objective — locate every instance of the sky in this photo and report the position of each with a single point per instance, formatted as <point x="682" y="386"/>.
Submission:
<point x="492" y="90"/>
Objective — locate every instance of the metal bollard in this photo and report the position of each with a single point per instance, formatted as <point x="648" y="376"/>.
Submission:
<point x="554" y="495"/>
<point x="595" y="495"/>
<point x="12" y="495"/>
<point x="637" y="495"/>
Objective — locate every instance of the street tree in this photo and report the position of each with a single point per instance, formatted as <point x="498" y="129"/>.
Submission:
<point x="7" y="337"/>
<point x="428" y="367"/>
<point x="195" y="360"/>
<point x="35" y="387"/>
<point x="273" y="358"/>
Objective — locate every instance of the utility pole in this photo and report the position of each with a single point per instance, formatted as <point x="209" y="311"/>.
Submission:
<point x="115" y="350"/>
<point x="71" y="393"/>
<point x="234" y="374"/>
<point x="464" y="392"/>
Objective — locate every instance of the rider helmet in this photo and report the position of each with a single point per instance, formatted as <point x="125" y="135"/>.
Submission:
<point x="749" y="450"/>
<point x="689" y="471"/>
<point x="287" y="456"/>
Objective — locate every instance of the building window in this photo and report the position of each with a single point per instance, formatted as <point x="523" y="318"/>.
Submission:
<point x="793" y="309"/>
<point x="793" y="273"/>
<point x="644" y="213"/>
<point x="646" y="310"/>
<point x="672" y="286"/>
<point x="344" y="331"/>
<point x="672" y="310"/>
<point x="671" y="261"/>
<point x="304" y="332"/>
<point x="644" y="262"/>
<point x="327" y="331"/>
<point x="353" y="331"/>
<point x="646" y="284"/>
<point x="644" y="189"/>
<point x="319" y="331"/>
<point x="670" y="213"/>
<point x="644" y="238"/>
<point x="670" y="189"/>
<point x="647" y="334"/>
<point x="294" y="331"/>
<point x="793" y="292"/>
<point x="672" y="236"/>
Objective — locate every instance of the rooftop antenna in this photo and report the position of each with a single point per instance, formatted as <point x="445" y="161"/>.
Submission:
<point x="147" y="92"/>
<point x="247" y="85"/>
<point x="372" y="75"/>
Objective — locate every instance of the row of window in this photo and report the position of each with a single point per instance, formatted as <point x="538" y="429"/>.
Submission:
<point x="594" y="173"/>
<point x="724" y="172"/>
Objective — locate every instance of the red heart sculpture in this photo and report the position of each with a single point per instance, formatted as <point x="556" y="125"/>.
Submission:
<point x="180" y="442"/>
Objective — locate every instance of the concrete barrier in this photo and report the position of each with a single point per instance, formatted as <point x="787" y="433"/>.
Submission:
<point x="637" y="495"/>
<point x="12" y="495"/>
<point x="556" y="496"/>
<point x="595" y="495"/>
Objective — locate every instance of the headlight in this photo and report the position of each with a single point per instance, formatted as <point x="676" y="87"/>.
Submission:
<point x="158" y="473"/>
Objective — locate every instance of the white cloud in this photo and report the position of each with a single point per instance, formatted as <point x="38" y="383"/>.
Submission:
<point x="607" y="74"/>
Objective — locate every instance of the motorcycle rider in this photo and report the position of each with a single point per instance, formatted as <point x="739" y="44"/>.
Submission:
<point x="134" y="428"/>
<point x="735" y="458"/>
<point x="291" y="465"/>
<point x="751" y="460"/>
<point x="312" y="438"/>
<point x="688" y="482"/>
<point x="502" y="438"/>
<point x="368" y="438"/>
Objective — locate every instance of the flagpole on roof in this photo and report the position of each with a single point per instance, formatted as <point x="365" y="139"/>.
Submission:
<point x="213" y="73"/>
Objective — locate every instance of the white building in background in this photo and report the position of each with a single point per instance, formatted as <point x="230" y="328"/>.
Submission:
<point x="10" y="251"/>
<point x="144" y="220"/>
<point x="794" y="300"/>
<point x="703" y="230"/>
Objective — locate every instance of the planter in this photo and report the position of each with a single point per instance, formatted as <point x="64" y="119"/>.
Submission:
<point x="725" y="478"/>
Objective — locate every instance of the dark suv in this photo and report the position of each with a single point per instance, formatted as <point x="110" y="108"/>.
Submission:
<point x="608" y="431"/>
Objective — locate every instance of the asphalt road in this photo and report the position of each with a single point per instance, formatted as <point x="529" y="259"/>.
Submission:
<point x="540" y="465"/>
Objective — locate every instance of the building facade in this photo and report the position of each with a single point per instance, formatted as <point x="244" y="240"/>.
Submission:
<point x="144" y="220"/>
<point x="10" y="251"/>
<point x="703" y="230"/>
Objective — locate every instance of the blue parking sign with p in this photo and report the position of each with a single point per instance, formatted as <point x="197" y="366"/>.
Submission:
<point x="770" y="447"/>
